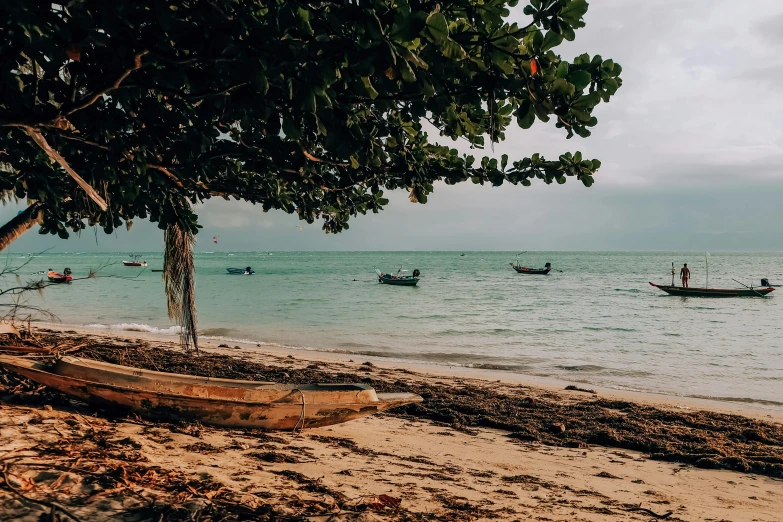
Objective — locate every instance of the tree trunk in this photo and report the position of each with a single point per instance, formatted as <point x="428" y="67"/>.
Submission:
<point x="20" y="224"/>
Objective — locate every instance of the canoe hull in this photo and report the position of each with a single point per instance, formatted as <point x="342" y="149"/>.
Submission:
<point x="713" y="292"/>
<point x="295" y="409"/>
<point x="209" y="388"/>
<point x="398" y="282"/>
<point x="239" y="271"/>
<point x="531" y="271"/>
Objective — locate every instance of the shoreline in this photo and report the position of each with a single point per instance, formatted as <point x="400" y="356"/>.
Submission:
<point x="475" y="450"/>
<point x="754" y="409"/>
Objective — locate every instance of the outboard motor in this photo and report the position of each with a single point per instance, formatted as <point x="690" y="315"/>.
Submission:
<point x="548" y="265"/>
<point x="765" y="282"/>
<point x="67" y="271"/>
<point x="416" y="272"/>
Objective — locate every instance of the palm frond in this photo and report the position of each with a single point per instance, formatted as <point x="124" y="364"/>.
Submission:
<point x="179" y="277"/>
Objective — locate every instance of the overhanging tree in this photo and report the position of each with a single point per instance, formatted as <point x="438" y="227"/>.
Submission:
<point x="111" y="111"/>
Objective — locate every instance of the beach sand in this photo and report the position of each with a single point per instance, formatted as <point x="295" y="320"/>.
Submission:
<point x="396" y="466"/>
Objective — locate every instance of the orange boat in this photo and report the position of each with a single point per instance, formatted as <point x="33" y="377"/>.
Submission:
<point x="56" y="277"/>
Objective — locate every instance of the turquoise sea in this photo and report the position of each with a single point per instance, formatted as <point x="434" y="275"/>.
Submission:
<point x="598" y="321"/>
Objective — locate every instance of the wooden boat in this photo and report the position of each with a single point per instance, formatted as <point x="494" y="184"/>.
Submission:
<point x="99" y="371"/>
<point x="220" y="402"/>
<point x="714" y="292"/>
<point x="56" y="277"/>
<point x="240" y="271"/>
<point x="532" y="271"/>
<point x="398" y="279"/>
<point x="134" y="261"/>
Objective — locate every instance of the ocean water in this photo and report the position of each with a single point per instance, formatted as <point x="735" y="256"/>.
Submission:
<point x="597" y="321"/>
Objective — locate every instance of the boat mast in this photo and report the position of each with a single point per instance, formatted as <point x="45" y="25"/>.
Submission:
<point x="707" y="267"/>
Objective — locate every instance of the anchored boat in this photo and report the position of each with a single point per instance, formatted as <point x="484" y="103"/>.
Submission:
<point x="748" y="291"/>
<point x="529" y="271"/>
<point x="401" y="278"/>
<point x="135" y="261"/>
<point x="220" y="402"/>
<point x="241" y="271"/>
<point x="56" y="277"/>
<point x="532" y="271"/>
<point x="714" y="292"/>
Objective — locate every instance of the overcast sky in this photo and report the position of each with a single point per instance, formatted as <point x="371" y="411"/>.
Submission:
<point x="691" y="146"/>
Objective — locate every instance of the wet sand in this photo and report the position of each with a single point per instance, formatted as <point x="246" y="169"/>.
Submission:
<point x="476" y="449"/>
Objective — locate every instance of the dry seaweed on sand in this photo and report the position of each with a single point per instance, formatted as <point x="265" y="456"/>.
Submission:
<point x="702" y="438"/>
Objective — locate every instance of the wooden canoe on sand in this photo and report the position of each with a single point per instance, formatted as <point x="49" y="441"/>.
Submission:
<point x="220" y="402"/>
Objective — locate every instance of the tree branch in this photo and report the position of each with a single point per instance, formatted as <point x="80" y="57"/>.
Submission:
<point x="53" y="154"/>
<point x="89" y="100"/>
<point x="20" y="224"/>
<point x="185" y="95"/>
<point x="320" y="160"/>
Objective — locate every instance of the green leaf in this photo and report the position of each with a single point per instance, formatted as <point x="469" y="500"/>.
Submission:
<point x="371" y="92"/>
<point x="580" y="79"/>
<point x="573" y="12"/>
<point x="588" y="181"/>
<point x="587" y="101"/>
<point x="503" y="161"/>
<point x="406" y="72"/>
<point x="561" y="86"/>
<point x="437" y="28"/>
<point x="552" y="39"/>
<point x="611" y="85"/>
<point x="562" y="71"/>
<point x="568" y="33"/>
<point x="526" y="116"/>
<point x="308" y="104"/>
<point x="453" y="50"/>
<point x="261" y="83"/>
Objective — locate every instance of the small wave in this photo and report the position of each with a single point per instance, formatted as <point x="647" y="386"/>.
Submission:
<point x="608" y="329"/>
<point x="216" y="332"/>
<point x="488" y="331"/>
<point x="582" y="368"/>
<point x="136" y="327"/>
<point x="628" y="290"/>
<point x="746" y="400"/>
<point x="348" y="345"/>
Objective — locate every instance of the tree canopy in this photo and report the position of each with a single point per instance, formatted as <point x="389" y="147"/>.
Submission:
<point x="124" y="109"/>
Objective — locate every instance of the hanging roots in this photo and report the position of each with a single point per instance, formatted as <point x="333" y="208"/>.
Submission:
<point x="179" y="276"/>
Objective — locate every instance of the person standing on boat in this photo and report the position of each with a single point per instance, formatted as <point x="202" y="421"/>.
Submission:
<point x="685" y="274"/>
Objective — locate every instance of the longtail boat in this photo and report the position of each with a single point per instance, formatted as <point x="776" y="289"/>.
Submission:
<point x="532" y="271"/>
<point x="399" y="279"/>
<point x="220" y="402"/>
<point x="714" y="292"/>
<point x="135" y="261"/>
<point x="56" y="277"/>
<point x="241" y="271"/>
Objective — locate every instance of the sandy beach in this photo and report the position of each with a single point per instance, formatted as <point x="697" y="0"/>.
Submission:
<point x="478" y="448"/>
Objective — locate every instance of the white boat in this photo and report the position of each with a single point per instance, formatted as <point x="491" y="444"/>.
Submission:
<point x="134" y="261"/>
